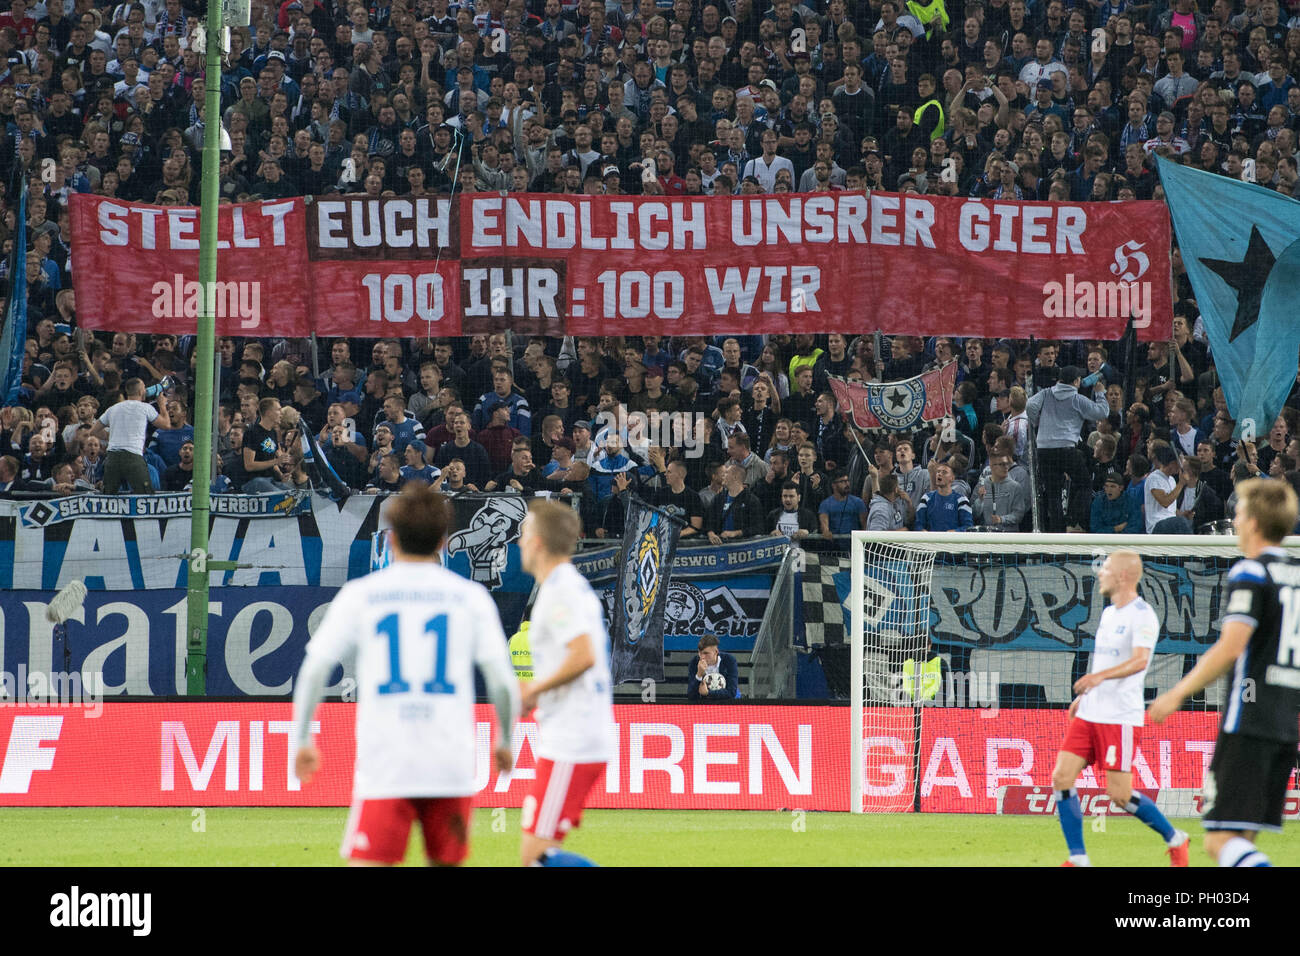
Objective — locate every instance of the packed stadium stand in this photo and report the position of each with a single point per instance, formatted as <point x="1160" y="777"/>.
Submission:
<point x="1044" y="101"/>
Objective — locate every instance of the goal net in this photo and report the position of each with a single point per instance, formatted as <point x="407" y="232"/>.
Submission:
<point x="964" y="650"/>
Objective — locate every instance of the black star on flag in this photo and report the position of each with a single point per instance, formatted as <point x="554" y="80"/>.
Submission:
<point x="896" y="400"/>
<point x="1248" y="278"/>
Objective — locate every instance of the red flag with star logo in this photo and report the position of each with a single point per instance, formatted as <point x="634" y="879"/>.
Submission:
<point x="897" y="406"/>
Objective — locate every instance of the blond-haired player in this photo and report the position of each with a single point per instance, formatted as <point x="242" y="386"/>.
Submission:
<point x="1245" y="786"/>
<point x="571" y="689"/>
<point x="1106" y="718"/>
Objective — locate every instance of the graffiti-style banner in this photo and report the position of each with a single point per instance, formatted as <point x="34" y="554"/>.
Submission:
<point x="1055" y="604"/>
<point x="483" y="546"/>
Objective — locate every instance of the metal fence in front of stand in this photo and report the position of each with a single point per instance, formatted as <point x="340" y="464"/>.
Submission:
<point x="1031" y="453"/>
<point x="773" y="664"/>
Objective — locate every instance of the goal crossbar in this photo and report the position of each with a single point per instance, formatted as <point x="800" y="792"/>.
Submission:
<point x="980" y="542"/>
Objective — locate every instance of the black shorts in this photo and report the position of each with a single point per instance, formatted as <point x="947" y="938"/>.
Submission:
<point x="1245" y="787"/>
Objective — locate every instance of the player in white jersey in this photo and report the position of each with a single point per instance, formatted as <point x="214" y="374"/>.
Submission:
<point x="416" y="632"/>
<point x="575" y="708"/>
<point x="1106" y="718"/>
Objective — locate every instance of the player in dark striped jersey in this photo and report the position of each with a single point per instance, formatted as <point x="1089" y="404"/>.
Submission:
<point x="1245" y="786"/>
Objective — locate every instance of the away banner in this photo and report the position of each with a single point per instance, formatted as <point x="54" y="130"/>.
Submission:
<point x="641" y="592"/>
<point x="897" y="406"/>
<point x="600" y="265"/>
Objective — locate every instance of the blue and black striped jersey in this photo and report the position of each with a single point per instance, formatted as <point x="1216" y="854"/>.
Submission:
<point x="1264" y="696"/>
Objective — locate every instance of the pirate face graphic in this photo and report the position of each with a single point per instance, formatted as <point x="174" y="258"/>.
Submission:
<point x="486" y="539"/>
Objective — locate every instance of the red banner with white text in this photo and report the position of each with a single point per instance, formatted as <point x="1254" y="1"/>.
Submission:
<point x="667" y="757"/>
<point x="136" y="267"/>
<point x="968" y="753"/>
<point x="584" y="265"/>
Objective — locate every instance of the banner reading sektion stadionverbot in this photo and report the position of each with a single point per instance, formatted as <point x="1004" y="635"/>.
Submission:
<point x="582" y="265"/>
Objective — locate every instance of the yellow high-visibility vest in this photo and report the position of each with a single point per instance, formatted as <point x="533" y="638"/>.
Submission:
<point x="800" y="361"/>
<point x="927" y="13"/>
<point x="521" y="653"/>
<point x="939" y="127"/>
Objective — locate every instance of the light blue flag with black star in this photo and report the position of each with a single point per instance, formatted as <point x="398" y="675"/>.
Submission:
<point x="1241" y="246"/>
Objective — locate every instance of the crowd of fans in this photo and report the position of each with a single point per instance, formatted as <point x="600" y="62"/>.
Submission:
<point x="1043" y="100"/>
<point x="1050" y="99"/>
<point x="740" y="436"/>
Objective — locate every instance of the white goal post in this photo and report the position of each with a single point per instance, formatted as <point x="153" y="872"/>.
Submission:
<point x="896" y="609"/>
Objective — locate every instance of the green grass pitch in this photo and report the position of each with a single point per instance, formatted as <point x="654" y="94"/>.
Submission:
<point x="310" y="837"/>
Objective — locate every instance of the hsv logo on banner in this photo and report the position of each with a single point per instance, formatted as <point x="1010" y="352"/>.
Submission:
<point x="595" y="265"/>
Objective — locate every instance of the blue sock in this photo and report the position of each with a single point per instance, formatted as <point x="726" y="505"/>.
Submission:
<point x="1067" y="808"/>
<point x="1145" y="809"/>
<point x="558" y="857"/>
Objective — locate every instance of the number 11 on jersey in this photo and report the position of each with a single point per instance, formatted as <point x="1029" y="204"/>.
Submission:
<point x="437" y="626"/>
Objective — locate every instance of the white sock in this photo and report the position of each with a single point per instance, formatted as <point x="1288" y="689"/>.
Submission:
<point x="1241" y="852"/>
<point x="1179" y="838"/>
<point x="1080" y="859"/>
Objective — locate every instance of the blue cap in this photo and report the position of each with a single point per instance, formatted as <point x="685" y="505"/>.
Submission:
<point x="350" y="396"/>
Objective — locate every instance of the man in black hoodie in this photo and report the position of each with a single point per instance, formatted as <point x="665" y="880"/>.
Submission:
<point x="735" y="512"/>
<point x="791" y="519"/>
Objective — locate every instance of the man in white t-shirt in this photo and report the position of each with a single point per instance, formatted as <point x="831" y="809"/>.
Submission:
<point x="765" y="167"/>
<point x="126" y="425"/>
<point x="582" y="155"/>
<point x="1106" y="718"/>
<point x="1182" y="433"/>
<point x="416" y="633"/>
<point x="1160" y="493"/>
<point x="1042" y="66"/>
<point x="572" y="693"/>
